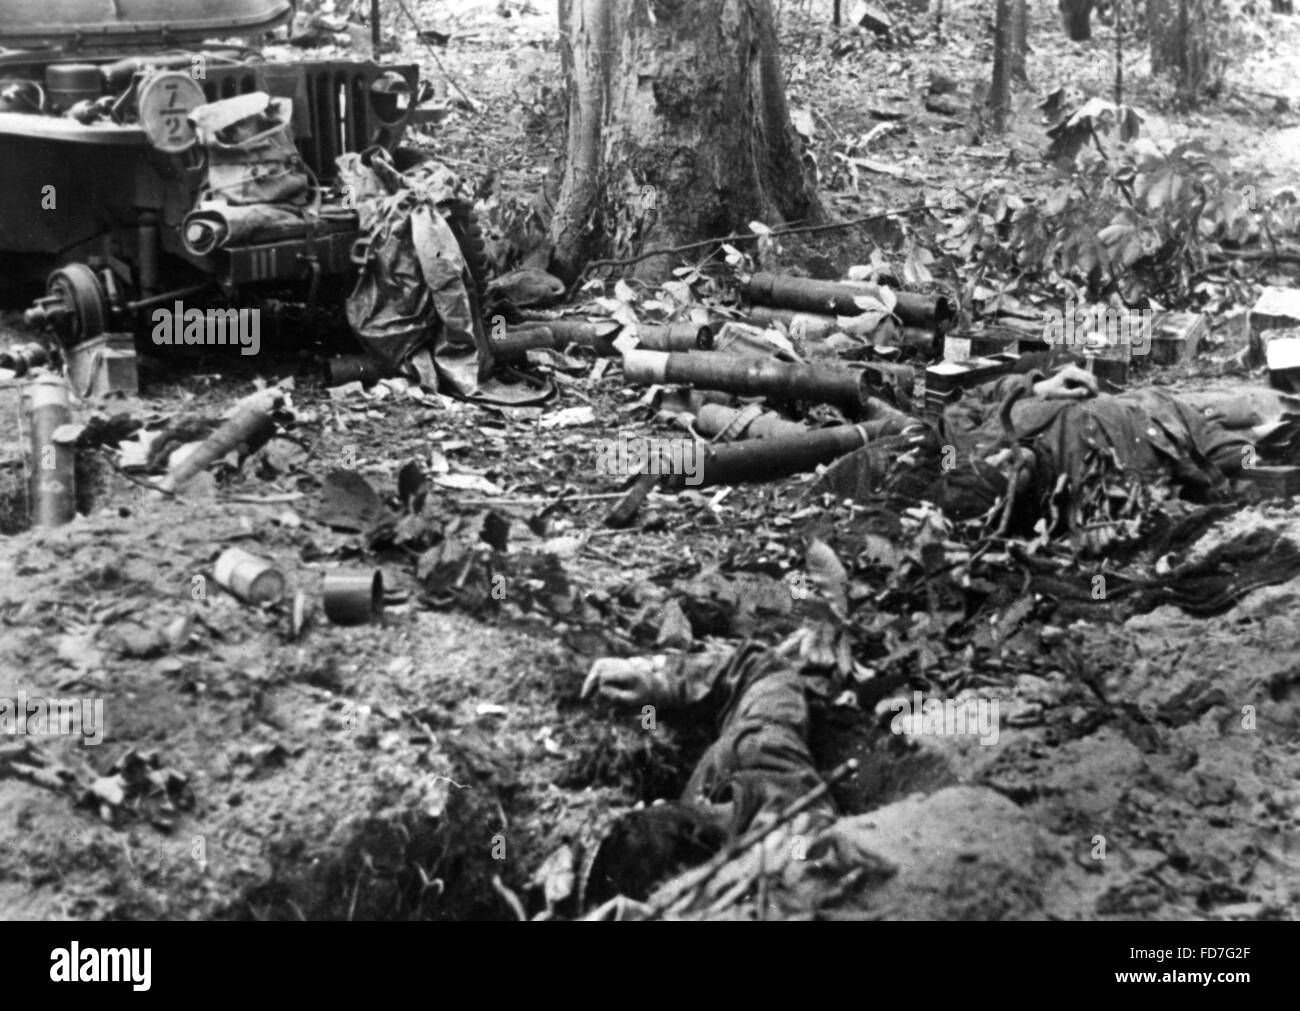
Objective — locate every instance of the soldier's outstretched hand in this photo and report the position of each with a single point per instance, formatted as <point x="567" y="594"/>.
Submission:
<point x="1070" y="383"/>
<point x="631" y="681"/>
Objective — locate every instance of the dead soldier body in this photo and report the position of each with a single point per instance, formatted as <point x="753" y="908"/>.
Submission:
<point x="758" y="763"/>
<point x="1026" y="448"/>
<point x="750" y="781"/>
<point x="1038" y="435"/>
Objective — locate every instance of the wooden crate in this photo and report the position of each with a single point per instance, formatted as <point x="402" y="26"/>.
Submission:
<point x="1275" y="481"/>
<point x="947" y="381"/>
<point x="1176" y="337"/>
<point x="105" y="364"/>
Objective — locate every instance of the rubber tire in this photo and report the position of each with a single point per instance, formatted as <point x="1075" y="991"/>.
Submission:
<point x="469" y="236"/>
<point x="81" y="288"/>
<point x="464" y="225"/>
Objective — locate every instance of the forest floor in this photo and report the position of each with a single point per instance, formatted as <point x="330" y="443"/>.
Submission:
<point x="429" y="765"/>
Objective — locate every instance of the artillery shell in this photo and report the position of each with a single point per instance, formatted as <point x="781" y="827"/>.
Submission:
<point x="53" y="485"/>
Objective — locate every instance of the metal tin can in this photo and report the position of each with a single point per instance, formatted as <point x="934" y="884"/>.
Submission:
<point x="251" y="579"/>
<point x="354" y="596"/>
<point x="351" y="369"/>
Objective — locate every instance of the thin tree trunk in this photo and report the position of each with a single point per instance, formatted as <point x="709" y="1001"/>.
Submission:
<point x="678" y="128"/>
<point x="1119" y="52"/>
<point x="1076" y="18"/>
<point x="1020" y="41"/>
<point x="1000" y="91"/>
<point x="1181" y="44"/>
<point x="587" y="27"/>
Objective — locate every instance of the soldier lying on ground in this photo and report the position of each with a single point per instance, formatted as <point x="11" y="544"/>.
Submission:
<point x="757" y="764"/>
<point x="1027" y="447"/>
<point x="1028" y="431"/>
<point x="959" y="851"/>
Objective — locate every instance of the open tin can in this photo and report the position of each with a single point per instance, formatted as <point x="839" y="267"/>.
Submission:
<point x="354" y="596"/>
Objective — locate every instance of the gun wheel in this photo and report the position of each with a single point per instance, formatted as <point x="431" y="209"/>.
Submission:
<point x="82" y="296"/>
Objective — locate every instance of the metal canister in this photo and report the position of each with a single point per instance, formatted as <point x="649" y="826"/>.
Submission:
<point x="354" y="596"/>
<point x="352" y="369"/>
<point x="46" y="405"/>
<point x="66" y="84"/>
<point x="251" y="579"/>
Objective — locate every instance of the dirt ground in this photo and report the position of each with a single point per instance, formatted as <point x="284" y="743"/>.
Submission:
<point x="428" y="766"/>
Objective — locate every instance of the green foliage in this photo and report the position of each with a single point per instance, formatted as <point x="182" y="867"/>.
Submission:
<point x="1198" y="54"/>
<point x="1123" y="218"/>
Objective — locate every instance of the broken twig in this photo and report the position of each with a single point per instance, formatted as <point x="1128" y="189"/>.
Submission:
<point x="686" y="884"/>
<point x="750" y="236"/>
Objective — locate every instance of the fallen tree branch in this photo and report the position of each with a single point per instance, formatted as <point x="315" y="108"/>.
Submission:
<point x="283" y="498"/>
<point x="538" y="500"/>
<point x="473" y="106"/>
<point x="1257" y="256"/>
<point x="511" y="899"/>
<point x="1219" y="261"/>
<point x="750" y="236"/>
<point x="690" y="881"/>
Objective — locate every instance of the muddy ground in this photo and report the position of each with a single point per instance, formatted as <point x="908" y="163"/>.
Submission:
<point x="427" y="766"/>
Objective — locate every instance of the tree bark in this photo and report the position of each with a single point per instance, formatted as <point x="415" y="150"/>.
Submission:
<point x="1020" y="41"/>
<point x="1119" y="53"/>
<point x="1180" y="44"/>
<point x="1076" y="17"/>
<point x="1000" y="90"/>
<point x="678" y="128"/>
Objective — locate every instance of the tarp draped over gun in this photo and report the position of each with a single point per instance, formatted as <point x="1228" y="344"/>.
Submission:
<point x="411" y="305"/>
<point x="213" y="225"/>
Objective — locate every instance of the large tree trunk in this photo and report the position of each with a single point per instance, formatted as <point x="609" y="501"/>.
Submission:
<point x="678" y="128"/>
<point x="1181" y="43"/>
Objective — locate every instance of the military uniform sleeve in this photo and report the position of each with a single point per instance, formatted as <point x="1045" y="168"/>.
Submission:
<point x="760" y="758"/>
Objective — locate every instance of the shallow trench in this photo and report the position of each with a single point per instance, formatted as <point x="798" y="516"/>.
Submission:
<point x="411" y="867"/>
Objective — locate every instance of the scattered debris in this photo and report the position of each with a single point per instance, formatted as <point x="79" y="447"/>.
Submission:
<point x="251" y="421"/>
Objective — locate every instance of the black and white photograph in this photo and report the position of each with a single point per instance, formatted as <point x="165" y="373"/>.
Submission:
<point x="650" y="460"/>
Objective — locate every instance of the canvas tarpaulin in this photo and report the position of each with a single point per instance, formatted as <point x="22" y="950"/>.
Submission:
<point x="412" y="307"/>
<point x="213" y="225"/>
<point x="251" y="155"/>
